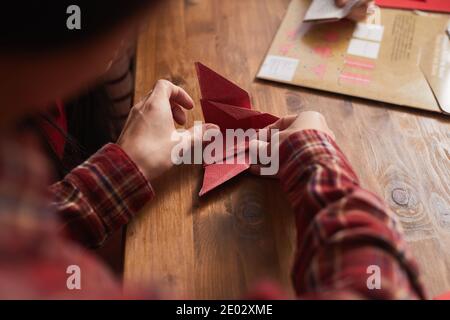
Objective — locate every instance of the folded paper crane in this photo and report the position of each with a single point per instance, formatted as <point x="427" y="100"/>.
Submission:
<point x="229" y="107"/>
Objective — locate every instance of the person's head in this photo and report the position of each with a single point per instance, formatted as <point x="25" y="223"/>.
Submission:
<point x="43" y="60"/>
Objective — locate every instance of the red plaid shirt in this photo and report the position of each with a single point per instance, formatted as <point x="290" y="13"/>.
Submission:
<point x="342" y="229"/>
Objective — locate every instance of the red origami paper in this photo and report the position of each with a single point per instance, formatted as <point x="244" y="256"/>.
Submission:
<point x="229" y="107"/>
<point x="427" y="5"/>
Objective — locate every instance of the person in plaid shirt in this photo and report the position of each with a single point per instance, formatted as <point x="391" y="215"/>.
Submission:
<point x="342" y="229"/>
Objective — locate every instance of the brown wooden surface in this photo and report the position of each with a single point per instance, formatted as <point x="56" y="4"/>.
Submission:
<point x="218" y="246"/>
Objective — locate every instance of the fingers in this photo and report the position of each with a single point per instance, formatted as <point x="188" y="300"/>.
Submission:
<point x="166" y="95"/>
<point x="306" y="120"/>
<point x="280" y="125"/>
<point x="359" y="12"/>
<point x="340" y="3"/>
<point x="174" y="94"/>
<point x="313" y="120"/>
<point x="166" y="92"/>
<point x="178" y="113"/>
<point x="311" y="116"/>
<point x="284" y="122"/>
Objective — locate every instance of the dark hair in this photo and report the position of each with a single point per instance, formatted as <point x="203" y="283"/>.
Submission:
<point x="41" y="24"/>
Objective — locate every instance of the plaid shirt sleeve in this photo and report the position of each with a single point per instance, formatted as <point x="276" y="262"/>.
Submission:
<point x="100" y="196"/>
<point x="345" y="234"/>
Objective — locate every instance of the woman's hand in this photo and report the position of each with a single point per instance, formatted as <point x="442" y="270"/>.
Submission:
<point x="303" y="121"/>
<point x="286" y="126"/>
<point x="359" y="11"/>
<point x="147" y="135"/>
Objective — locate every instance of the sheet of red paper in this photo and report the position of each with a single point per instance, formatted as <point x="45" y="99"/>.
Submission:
<point x="427" y="5"/>
<point x="228" y="106"/>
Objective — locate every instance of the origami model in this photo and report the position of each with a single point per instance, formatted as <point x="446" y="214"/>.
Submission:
<point x="229" y="107"/>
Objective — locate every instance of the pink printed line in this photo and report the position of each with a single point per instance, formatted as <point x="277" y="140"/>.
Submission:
<point x="292" y="34"/>
<point x="286" y="48"/>
<point x="359" y="64"/>
<point x="354" y="77"/>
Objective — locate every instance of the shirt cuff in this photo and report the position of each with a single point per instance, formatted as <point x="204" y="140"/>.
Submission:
<point x="308" y="147"/>
<point x="113" y="185"/>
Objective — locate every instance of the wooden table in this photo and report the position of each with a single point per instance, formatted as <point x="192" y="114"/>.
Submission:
<point x="218" y="246"/>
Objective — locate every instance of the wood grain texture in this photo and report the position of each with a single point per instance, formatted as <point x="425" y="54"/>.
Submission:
<point x="218" y="246"/>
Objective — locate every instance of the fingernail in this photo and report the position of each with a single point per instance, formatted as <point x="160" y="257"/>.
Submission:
<point x="211" y="126"/>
